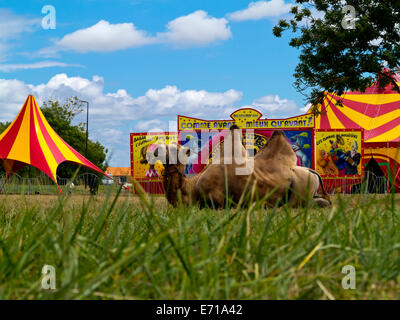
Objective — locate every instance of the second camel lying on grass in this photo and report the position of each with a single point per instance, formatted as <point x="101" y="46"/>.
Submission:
<point x="272" y="174"/>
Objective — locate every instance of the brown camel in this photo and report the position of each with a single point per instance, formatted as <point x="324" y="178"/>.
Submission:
<point x="276" y="163"/>
<point x="176" y="184"/>
<point x="271" y="174"/>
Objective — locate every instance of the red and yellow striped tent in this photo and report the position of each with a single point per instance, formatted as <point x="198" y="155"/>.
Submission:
<point x="377" y="111"/>
<point x="29" y="140"/>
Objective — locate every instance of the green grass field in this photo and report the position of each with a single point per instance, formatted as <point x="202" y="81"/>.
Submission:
<point x="104" y="247"/>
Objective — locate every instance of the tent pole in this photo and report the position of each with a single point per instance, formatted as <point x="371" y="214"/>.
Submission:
<point x="29" y="180"/>
<point x="87" y="135"/>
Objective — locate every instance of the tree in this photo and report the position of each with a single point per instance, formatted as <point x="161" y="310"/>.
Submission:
<point x="343" y="49"/>
<point x="4" y="126"/>
<point x="60" y="117"/>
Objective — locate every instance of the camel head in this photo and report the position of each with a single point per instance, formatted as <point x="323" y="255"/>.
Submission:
<point x="143" y="155"/>
<point x="174" y="158"/>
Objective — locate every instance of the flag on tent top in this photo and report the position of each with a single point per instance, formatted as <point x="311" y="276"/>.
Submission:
<point x="377" y="111"/>
<point x="30" y="140"/>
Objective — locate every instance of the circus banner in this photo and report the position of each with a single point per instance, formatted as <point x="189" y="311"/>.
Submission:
<point x="247" y="118"/>
<point x="201" y="144"/>
<point x="140" y="142"/>
<point x="339" y="153"/>
<point x="203" y="137"/>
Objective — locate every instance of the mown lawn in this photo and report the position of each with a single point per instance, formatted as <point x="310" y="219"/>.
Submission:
<point x="130" y="248"/>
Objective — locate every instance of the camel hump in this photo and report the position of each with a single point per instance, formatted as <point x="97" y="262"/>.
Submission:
<point x="234" y="127"/>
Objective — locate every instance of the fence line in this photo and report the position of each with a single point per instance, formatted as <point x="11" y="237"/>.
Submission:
<point x="89" y="183"/>
<point x="86" y="183"/>
<point x="370" y="184"/>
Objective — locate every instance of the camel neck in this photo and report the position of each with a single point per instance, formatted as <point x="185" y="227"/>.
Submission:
<point x="183" y="185"/>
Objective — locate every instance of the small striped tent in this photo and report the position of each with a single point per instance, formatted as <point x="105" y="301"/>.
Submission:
<point x="30" y="140"/>
<point x="377" y="111"/>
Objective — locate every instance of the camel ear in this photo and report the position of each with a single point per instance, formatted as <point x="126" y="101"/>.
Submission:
<point x="184" y="150"/>
<point x="236" y="127"/>
<point x="156" y="152"/>
<point x="182" y="154"/>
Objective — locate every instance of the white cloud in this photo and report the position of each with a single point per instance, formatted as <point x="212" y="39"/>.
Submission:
<point x="260" y="10"/>
<point x="12" y="26"/>
<point x="104" y="37"/>
<point x="110" y="135"/>
<point x="154" y="125"/>
<point x="35" y="65"/>
<point x="306" y="108"/>
<point x="13" y="93"/>
<point x="170" y="100"/>
<point x="197" y="28"/>
<point x="271" y="106"/>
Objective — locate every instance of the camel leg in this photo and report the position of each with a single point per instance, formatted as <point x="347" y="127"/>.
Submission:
<point x="217" y="199"/>
<point x="312" y="180"/>
<point x="210" y="189"/>
<point x="321" y="202"/>
<point x="212" y="200"/>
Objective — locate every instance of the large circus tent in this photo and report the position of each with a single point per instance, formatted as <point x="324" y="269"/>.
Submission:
<point x="377" y="111"/>
<point x="30" y="140"/>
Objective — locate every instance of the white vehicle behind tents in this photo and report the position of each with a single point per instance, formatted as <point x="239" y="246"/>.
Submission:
<point x="107" y="181"/>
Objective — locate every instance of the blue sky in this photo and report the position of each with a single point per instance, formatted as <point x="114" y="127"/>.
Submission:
<point x="141" y="62"/>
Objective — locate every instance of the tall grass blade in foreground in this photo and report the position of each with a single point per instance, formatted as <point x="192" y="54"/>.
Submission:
<point x="118" y="247"/>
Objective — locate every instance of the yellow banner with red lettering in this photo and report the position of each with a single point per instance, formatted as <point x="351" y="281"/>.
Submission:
<point x="246" y="119"/>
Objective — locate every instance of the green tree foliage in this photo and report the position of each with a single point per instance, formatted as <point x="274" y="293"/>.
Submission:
<point x="60" y="117"/>
<point x="336" y="58"/>
<point x="4" y="126"/>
